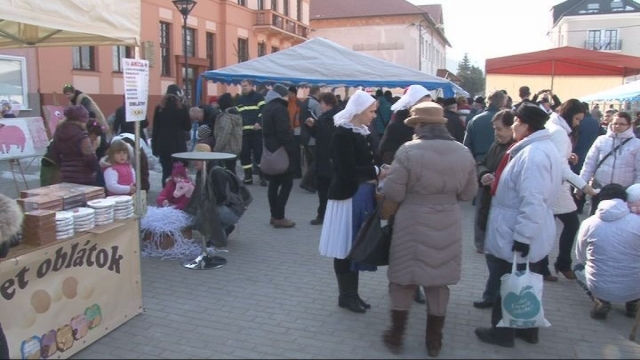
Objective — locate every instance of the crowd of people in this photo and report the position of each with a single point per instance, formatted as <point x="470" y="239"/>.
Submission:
<point x="522" y="165"/>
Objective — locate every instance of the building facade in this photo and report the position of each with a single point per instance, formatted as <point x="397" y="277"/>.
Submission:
<point x="603" y="25"/>
<point x="219" y="33"/>
<point x="393" y="30"/>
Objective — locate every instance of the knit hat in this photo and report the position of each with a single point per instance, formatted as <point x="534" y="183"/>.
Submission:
<point x="174" y="89"/>
<point x="479" y="100"/>
<point x="204" y="132"/>
<point x="179" y="170"/>
<point x="76" y="113"/>
<point x="10" y="218"/>
<point x="532" y="115"/>
<point x="633" y="193"/>
<point x="278" y="91"/>
<point x="281" y="90"/>
<point x="412" y="95"/>
<point x="213" y="99"/>
<point x="202" y="148"/>
<point x="426" y="113"/>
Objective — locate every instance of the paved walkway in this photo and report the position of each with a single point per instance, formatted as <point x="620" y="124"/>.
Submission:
<point x="277" y="298"/>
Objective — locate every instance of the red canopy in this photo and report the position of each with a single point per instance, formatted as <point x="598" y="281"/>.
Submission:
<point x="565" y="61"/>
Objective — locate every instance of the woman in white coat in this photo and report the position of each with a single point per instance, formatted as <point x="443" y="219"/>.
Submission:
<point x="606" y="166"/>
<point x="521" y="219"/>
<point x="562" y="126"/>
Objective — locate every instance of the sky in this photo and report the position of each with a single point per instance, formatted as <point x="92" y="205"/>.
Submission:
<point x="476" y="27"/>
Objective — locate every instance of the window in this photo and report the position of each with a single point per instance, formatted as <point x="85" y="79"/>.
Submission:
<point x="119" y="53"/>
<point x="211" y="50"/>
<point x="191" y="41"/>
<point x="610" y="40"/>
<point x="299" y="10"/>
<point x="274" y="49"/>
<point x="165" y="49"/>
<point x="14" y="80"/>
<point x="603" y="40"/>
<point x="84" y="58"/>
<point x="242" y="2"/>
<point x="260" y="4"/>
<point x="243" y="50"/>
<point x="285" y="7"/>
<point x="262" y="48"/>
<point x="274" y="5"/>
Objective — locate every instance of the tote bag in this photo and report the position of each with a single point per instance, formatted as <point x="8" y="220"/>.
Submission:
<point x="372" y="243"/>
<point x="274" y="163"/>
<point x="521" y="293"/>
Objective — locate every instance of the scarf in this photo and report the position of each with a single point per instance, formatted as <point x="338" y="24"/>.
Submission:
<point x="503" y="164"/>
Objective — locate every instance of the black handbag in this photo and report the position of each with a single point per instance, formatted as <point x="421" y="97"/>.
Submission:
<point x="373" y="241"/>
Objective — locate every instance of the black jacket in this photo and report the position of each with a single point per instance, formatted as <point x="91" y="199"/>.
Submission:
<point x="322" y="131"/>
<point x="454" y="125"/>
<point x="488" y="165"/>
<point x="250" y="107"/>
<point x="353" y="163"/>
<point x="120" y="124"/>
<point x="395" y="135"/>
<point x="276" y="129"/>
<point x="169" y="125"/>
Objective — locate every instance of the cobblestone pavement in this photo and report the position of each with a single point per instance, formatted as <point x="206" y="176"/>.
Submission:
<point x="277" y="298"/>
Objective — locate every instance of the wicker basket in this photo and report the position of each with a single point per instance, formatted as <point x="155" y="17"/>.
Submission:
<point x="387" y="207"/>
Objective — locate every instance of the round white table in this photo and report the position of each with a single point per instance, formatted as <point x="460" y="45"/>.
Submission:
<point x="206" y="260"/>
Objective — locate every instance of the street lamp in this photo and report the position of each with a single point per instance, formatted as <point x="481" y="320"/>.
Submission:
<point x="185" y="7"/>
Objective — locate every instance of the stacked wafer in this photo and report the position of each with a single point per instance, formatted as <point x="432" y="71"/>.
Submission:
<point x="83" y="219"/>
<point x="123" y="206"/>
<point x="64" y="225"/>
<point x="39" y="227"/>
<point x="104" y="211"/>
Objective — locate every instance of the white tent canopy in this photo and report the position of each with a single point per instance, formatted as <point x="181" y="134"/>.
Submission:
<point x="626" y="92"/>
<point x="28" y="23"/>
<point x="319" y="61"/>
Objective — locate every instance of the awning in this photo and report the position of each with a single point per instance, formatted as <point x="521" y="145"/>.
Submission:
<point x="626" y="92"/>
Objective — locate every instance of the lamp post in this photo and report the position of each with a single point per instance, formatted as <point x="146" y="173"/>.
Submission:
<point x="185" y="7"/>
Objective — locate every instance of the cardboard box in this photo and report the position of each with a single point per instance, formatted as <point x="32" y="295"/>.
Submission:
<point x="167" y="242"/>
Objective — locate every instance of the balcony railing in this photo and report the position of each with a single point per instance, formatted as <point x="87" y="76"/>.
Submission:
<point x="286" y="24"/>
<point x="604" y="45"/>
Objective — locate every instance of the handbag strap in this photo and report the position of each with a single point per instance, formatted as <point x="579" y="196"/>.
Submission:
<point x="514" y="264"/>
<point x="610" y="153"/>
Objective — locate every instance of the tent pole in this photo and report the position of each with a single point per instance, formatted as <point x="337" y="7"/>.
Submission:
<point x="136" y="152"/>
<point x="553" y="72"/>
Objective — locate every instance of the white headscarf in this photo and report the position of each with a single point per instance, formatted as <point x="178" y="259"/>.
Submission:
<point x="411" y="97"/>
<point x="358" y="103"/>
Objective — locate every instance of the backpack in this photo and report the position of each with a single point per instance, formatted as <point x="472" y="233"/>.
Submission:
<point x="238" y="196"/>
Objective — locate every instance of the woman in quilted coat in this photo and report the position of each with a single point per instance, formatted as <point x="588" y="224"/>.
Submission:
<point x="428" y="177"/>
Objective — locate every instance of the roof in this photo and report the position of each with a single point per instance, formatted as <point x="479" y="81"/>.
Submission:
<point x="446" y="74"/>
<point x="319" y="61"/>
<point x="344" y="9"/>
<point x="565" y="61"/>
<point x="593" y="7"/>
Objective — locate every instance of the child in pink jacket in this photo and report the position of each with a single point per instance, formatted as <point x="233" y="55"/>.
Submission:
<point x="177" y="190"/>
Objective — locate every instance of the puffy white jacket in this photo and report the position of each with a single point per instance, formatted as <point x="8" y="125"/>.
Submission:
<point x="521" y="207"/>
<point x="609" y="247"/>
<point x="560" y="131"/>
<point x="622" y="168"/>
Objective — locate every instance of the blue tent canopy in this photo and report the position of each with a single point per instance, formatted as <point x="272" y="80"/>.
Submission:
<point x="319" y="61"/>
<point x="626" y="92"/>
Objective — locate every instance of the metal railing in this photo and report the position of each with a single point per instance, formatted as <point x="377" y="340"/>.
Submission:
<point x="603" y="45"/>
<point x="271" y="18"/>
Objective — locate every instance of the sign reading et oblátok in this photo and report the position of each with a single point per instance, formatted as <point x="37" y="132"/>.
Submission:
<point x="60" y="298"/>
<point x="136" y="88"/>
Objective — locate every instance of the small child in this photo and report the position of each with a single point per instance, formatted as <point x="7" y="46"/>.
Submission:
<point x="177" y="190"/>
<point x="119" y="176"/>
<point x="633" y="198"/>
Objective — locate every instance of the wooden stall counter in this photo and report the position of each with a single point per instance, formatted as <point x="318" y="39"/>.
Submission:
<point x="59" y="298"/>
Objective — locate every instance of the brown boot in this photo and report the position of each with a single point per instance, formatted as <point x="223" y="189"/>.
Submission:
<point x="433" y="340"/>
<point x="393" y="338"/>
<point x="283" y="223"/>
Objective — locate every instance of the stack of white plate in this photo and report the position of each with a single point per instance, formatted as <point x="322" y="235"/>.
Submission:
<point x="64" y="225"/>
<point x="103" y="210"/>
<point x="83" y="219"/>
<point x="124" y="206"/>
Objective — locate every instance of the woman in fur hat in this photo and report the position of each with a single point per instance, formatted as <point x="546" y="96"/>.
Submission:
<point x="10" y="222"/>
<point x="351" y="194"/>
<point x="428" y="177"/>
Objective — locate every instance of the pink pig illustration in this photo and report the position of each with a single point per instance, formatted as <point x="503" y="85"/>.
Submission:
<point x="54" y="115"/>
<point x="11" y="135"/>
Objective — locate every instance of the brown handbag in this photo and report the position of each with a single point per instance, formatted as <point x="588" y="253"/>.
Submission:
<point x="387" y="207"/>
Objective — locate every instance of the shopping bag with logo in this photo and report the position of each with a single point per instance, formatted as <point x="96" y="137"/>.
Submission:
<point x="521" y="293"/>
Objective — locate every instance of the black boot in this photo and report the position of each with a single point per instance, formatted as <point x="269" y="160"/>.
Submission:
<point x="362" y="302"/>
<point x="347" y="285"/>
<point x="497" y="336"/>
<point x="528" y="335"/>
<point x="263" y="181"/>
<point x="418" y="296"/>
<point x="394" y="337"/>
<point x="433" y="339"/>
<point x="248" y="176"/>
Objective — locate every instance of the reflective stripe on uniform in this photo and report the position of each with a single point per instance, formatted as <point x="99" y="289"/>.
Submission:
<point x="248" y="127"/>
<point x="247" y="166"/>
<point x="243" y="108"/>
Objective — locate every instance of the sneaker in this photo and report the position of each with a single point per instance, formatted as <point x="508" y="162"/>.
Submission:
<point x="317" y="221"/>
<point x="600" y="309"/>
<point x="283" y="223"/>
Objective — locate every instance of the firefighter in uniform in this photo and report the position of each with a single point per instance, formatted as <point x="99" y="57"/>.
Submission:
<point x="250" y="105"/>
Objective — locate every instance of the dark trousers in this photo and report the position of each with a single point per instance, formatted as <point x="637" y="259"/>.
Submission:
<point x="296" y="158"/>
<point x="279" y="189"/>
<point x="251" y="145"/>
<point x="492" y="288"/>
<point x="167" y="166"/>
<point x="580" y="202"/>
<point x="323" y="183"/>
<point x="309" y="178"/>
<point x="4" y="346"/>
<point x="230" y="165"/>
<point x="571" y="224"/>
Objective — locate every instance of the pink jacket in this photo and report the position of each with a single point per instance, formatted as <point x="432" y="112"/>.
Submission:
<point x="167" y="194"/>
